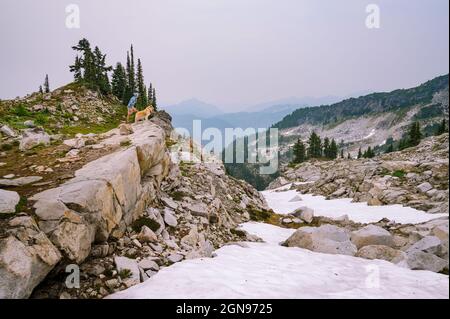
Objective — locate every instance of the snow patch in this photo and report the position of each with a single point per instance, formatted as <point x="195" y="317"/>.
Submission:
<point x="279" y="200"/>
<point x="267" y="270"/>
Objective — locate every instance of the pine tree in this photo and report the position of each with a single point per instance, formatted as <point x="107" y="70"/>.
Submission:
<point x="360" y="154"/>
<point x="299" y="151"/>
<point x="142" y="90"/>
<point x="90" y="67"/>
<point x="119" y="81"/>
<point x="333" y="150"/>
<point x="131" y="78"/>
<point x="414" y="134"/>
<point x="132" y="72"/>
<point x="369" y="153"/>
<point x="342" y="153"/>
<point x="46" y="84"/>
<point x="85" y="62"/>
<point x="315" y="146"/>
<point x="100" y="72"/>
<point x="390" y="148"/>
<point x="442" y="128"/>
<point x="76" y="69"/>
<point x="326" y="148"/>
<point x="41" y="91"/>
<point x="154" y="103"/>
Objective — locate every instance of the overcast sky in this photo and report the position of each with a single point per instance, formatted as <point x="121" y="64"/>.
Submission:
<point x="232" y="52"/>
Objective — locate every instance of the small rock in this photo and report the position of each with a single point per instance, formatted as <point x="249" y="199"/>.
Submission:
<point x="147" y="235"/>
<point x="174" y="258"/>
<point x="169" y="218"/>
<point x="124" y="264"/>
<point x="6" y="130"/>
<point x="136" y="243"/>
<point x="29" y="124"/>
<point x="75" y="142"/>
<point x="112" y="283"/>
<point x="419" y="260"/>
<point x="328" y="239"/>
<point x="9" y="176"/>
<point x="33" y="137"/>
<point x="381" y="252"/>
<point x="424" y="187"/>
<point x="8" y="201"/>
<point x="148" y="263"/>
<point x="304" y="213"/>
<point x="372" y="235"/>
<point x="125" y="129"/>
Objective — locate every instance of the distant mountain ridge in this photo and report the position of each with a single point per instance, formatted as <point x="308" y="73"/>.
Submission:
<point x="366" y="105"/>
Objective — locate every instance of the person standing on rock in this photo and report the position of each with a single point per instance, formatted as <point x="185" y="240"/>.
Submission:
<point x="130" y="106"/>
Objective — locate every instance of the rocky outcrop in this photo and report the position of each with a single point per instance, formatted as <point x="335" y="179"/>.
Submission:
<point x="415" y="177"/>
<point x="140" y="204"/>
<point x="418" y="247"/>
<point x="105" y="195"/>
<point x="26" y="257"/>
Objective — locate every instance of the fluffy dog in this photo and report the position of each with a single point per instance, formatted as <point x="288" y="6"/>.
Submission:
<point x="144" y="114"/>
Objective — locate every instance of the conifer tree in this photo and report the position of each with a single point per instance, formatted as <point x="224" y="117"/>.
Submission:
<point x="299" y="151"/>
<point x="414" y="134"/>
<point x="40" y="89"/>
<point x="154" y="103"/>
<point x="46" y="84"/>
<point x="76" y="69"/>
<point x="369" y="153"/>
<point x="360" y="155"/>
<point x="100" y="71"/>
<point x="342" y="153"/>
<point x="390" y="148"/>
<point x="333" y="150"/>
<point x="442" y="128"/>
<point x="142" y="90"/>
<point x="315" y="146"/>
<point x="326" y="148"/>
<point x="119" y="81"/>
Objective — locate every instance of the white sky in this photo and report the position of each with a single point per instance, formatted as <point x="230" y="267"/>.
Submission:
<point x="232" y="53"/>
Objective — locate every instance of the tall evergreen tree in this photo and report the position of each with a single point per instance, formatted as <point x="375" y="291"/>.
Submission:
<point x="414" y="134"/>
<point x="299" y="152"/>
<point x="333" y="152"/>
<point x="342" y="153"/>
<point x="315" y="146"/>
<point x="154" y="102"/>
<point x="101" y="71"/>
<point x="91" y="67"/>
<point x="119" y="81"/>
<point x="46" y="84"/>
<point x="360" y="153"/>
<point x="76" y="69"/>
<point x="40" y="89"/>
<point x="132" y="72"/>
<point x="442" y="128"/>
<point x="369" y="153"/>
<point x="390" y="148"/>
<point x="142" y="90"/>
<point x="326" y="147"/>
